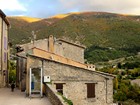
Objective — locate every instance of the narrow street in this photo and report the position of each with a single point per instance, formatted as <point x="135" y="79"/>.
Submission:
<point x="19" y="98"/>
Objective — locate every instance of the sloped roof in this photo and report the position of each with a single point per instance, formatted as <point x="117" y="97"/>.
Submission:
<point x="4" y="17"/>
<point x="74" y="44"/>
<point x="51" y="56"/>
<point x="42" y="54"/>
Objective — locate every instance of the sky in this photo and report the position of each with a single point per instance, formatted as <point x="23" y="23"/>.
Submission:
<point x="48" y="8"/>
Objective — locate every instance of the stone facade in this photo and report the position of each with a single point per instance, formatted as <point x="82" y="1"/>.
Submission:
<point x="74" y="80"/>
<point x="58" y="46"/>
<point x="135" y="81"/>
<point x="4" y="25"/>
<point x="69" y="50"/>
<point x="43" y="44"/>
<point x="52" y="95"/>
<point x="21" y="73"/>
<point x="63" y="62"/>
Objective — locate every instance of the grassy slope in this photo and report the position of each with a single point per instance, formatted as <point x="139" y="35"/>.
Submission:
<point x="107" y="36"/>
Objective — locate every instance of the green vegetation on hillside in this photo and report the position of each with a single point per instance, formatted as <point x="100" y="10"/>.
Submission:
<point x="95" y="54"/>
<point x="107" y="36"/>
<point x="126" y="71"/>
<point x="119" y="34"/>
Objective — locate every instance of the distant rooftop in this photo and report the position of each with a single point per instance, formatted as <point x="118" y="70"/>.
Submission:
<point x="75" y="44"/>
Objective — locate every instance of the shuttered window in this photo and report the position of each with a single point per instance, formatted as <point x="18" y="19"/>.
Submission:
<point x="59" y="87"/>
<point x="90" y="90"/>
<point x="5" y="43"/>
<point x="5" y="57"/>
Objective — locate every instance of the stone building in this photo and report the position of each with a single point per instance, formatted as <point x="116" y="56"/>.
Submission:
<point x="61" y="64"/>
<point x="4" y="25"/>
<point x="60" y="47"/>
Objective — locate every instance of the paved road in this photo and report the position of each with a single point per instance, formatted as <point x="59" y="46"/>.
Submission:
<point x="18" y="98"/>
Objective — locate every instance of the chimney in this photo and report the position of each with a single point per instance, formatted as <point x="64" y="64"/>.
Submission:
<point x="91" y="67"/>
<point x="51" y="44"/>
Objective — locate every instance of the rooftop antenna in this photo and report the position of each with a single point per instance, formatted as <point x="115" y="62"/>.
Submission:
<point x="34" y="37"/>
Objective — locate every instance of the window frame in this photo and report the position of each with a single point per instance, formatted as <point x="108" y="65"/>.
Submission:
<point x="91" y="90"/>
<point x="5" y="43"/>
<point x="5" y="57"/>
<point x="58" y="85"/>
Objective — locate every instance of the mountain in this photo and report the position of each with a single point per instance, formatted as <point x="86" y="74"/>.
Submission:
<point x="106" y="35"/>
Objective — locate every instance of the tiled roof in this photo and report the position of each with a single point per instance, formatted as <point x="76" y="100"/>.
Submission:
<point x="57" y="58"/>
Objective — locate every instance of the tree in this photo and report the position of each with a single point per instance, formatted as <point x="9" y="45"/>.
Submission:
<point x="120" y="96"/>
<point x="115" y="83"/>
<point x="12" y="71"/>
<point x="119" y="65"/>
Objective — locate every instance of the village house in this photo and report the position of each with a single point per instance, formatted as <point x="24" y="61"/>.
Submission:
<point x="4" y="26"/>
<point x="56" y="65"/>
<point x="135" y="81"/>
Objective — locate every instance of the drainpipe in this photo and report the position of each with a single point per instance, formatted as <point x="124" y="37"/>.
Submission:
<point x="106" y="90"/>
<point x="7" y="59"/>
<point x="43" y="77"/>
<point x="42" y="67"/>
<point x="1" y="47"/>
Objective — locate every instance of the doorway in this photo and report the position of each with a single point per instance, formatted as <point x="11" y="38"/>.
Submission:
<point x="35" y="83"/>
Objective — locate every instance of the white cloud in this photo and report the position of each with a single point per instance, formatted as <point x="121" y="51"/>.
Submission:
<point x="118" y="6"/>
<point x="40" y="8"/>
<point x="11" y="5"/>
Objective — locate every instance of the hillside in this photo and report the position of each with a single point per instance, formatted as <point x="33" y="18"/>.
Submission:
<point x="106" y="35"/>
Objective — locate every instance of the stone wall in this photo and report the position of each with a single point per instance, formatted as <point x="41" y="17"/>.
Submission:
<point x="3" y="50"/>
<point x="31" y="63"/>
<point x="69" y="51"/>
<point x="0" y="52"/>
<point x="75" y="87"/>
<point x="64" y="49"/>
<point x="20" y="73"/>
<point x="5" y="46"/>
<point x="0" y="39"/>
<point x="43" y="44"/>
<point x="75" y="80"/>
<point x="0" y="80"/>
<point x="52" y="95"/>
<point x="109" y="91"/>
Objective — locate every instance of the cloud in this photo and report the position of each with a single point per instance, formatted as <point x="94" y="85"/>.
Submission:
<point x="66" y="6"/>
<point x="47" y="8"/>
<point x="11" y="5"/>
<point x="117" y="6"/>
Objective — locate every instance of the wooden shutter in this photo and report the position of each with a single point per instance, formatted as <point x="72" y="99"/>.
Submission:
<point x="90" y="90"/>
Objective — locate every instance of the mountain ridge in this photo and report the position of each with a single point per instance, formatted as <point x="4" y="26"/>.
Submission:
<point x="25" y="18"/>
<point x="103" y="33"/>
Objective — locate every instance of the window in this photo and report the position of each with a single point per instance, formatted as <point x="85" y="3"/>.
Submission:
<point x="5" y="57"/>
<point x="59" y="88"/>
<point x="5" y="43"/>
<point x="90" y="90"/>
